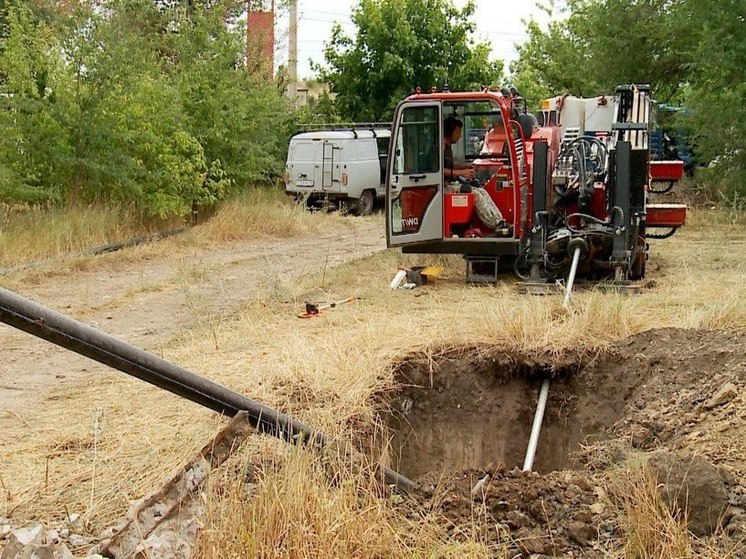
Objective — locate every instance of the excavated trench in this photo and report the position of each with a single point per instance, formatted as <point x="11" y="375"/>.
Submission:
<point x="476" y="412"/>
<point x="460" y="420"/>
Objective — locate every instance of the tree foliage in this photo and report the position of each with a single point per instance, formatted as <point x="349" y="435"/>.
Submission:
<point x="692" y="52"/>
<point x="139" y="102"/>
<point x="715" y="93"/>
<point x="602" y="43"/>
<point x="399" y="45"/>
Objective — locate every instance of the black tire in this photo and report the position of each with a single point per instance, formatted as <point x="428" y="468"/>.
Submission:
<point x="364" y="206"/>
<point x="304" y="200"/>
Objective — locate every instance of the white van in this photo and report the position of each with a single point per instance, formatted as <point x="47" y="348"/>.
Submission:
<point x="347" y="167"/>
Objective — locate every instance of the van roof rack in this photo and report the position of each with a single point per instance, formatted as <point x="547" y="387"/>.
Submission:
<point x="353" y="127"/>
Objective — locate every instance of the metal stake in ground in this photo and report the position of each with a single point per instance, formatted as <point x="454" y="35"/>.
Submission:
<point x="64" y="331"/>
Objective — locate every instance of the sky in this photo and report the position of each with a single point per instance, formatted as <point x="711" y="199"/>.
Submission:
<point x="498" y="23"/>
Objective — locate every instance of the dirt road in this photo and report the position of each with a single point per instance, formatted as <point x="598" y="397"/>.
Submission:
<point x="148" y="301"/>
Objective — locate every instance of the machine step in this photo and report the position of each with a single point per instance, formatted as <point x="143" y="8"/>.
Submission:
<point x="481" y="269"/>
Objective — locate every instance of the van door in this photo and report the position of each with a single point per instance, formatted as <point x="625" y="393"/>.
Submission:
<point x="414" y="181"/>
<point x="302" y="165"/>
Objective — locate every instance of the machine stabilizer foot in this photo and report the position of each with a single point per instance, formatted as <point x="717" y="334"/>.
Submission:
<point x="481" y="269"/>
<point x="539" y="288"/>
<point x="547" y="288"/>
<point x="624" y="287"/>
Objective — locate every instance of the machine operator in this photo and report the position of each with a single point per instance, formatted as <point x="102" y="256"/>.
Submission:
<point x="484" y="205"/>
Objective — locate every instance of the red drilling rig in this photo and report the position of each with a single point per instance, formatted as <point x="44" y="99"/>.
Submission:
<point x="569" y="202"/>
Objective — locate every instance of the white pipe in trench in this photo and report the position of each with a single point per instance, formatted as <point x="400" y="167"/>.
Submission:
<point x="533" y="441"/>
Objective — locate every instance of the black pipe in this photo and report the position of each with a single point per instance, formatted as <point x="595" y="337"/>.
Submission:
<point x="71" y="334"/>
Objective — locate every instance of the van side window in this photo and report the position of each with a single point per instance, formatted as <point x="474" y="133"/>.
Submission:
<point x="418" y="131"/>
<point x="383" y="146"/>
<point x="383" y="156"/>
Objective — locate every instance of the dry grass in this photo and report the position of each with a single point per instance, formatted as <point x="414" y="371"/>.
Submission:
<point x="39" y="246"/>
<point x="326" y="371"/>
<point x="28" y="236"/>
<point x="264" y="211"/>
<point x="650" y="529"/>
<point x="53" y="240"/>
<point x="296" y="505"/>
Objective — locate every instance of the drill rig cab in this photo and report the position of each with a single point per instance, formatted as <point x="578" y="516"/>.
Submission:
<point x="586" y="194"/>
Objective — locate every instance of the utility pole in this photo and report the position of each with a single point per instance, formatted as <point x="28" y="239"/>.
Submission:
<point x="293" y="52"/>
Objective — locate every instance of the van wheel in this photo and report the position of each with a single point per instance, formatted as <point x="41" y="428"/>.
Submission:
<point x="303" y="200"/>
<point x="364" y="206"/>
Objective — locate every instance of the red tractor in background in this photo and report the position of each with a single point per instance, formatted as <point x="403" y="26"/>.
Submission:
<point x="569" y="201"/>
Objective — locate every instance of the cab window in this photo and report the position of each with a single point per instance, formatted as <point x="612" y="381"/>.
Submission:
<point x="418" y="141"/>
<point x="478" y="117"/>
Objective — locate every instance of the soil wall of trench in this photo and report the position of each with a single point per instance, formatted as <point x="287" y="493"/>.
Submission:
<point x="675" y="398"/>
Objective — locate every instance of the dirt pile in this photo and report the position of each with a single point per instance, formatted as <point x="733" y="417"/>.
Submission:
<point x="467" y="415"/>
<point x="692" y="484"/>
<point x="550" y="514"/>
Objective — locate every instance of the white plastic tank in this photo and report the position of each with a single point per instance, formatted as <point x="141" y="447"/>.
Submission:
<point x="599" y="114"/>
<point x="572" y="113"/>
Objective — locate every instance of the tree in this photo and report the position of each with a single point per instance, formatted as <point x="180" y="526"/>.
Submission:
<point x="602" y="43"/>
<point x="318" y="109"/>
<point x="402" y="44"/>
<point x="138" y="103"/>
<point x="692" y="52"/>
<point x="716" y="94"/>
<point x="552" y="62"/>
<point x="32" y="143"/>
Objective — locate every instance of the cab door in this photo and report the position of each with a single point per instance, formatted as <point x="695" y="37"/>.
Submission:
<point x="414" y="180"/>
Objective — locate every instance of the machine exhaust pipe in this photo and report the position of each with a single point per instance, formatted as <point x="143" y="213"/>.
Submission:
<point x="71" y="334"/>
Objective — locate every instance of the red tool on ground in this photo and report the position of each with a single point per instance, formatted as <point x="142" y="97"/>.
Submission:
<point x="313" y="310"/>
